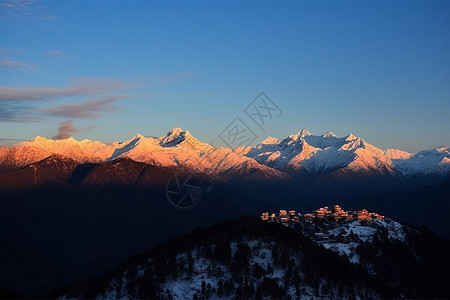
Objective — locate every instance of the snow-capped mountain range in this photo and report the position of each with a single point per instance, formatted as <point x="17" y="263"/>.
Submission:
<point x="300" y="153"/>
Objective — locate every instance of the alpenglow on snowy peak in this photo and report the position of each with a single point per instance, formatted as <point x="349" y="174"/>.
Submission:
<point x="298" y="153"/>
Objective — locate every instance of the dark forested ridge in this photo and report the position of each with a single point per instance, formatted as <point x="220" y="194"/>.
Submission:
<point x="248" y="258"/>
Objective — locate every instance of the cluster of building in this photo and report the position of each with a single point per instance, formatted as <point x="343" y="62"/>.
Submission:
<point x="283" y="217"/>
<point x="337" y="214"/>
<point x="325" y="225"/>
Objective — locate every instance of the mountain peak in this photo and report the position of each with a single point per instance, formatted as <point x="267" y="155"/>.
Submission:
<point x="175" y="131"/>
<point x="270" y="140"/>
<point x="442" y="149"/>
<point x="71" y="139"/>
<point x="138" y="136"/>
<point x="38" y="139"/>
<point x="300" y="135"/>
<point x="329" y="134"/>
<point x="350" y="137"/>
<point x="175" y="136"/>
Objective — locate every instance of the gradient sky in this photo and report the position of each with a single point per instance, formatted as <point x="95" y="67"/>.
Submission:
<point x="105" y="70"/>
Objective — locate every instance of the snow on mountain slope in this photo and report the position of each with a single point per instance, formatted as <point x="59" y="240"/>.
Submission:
<point x="270" y="140"/>
<point x="301" y="152"/>
<point x="352" y="154"/>
<point x="427" y="162"/>
<point x="39" y="148"/>
<point x="281" y="154"/>
<point x="327" y="160"/>
<point x="175" y="148"/>
<point x="320" y="154"/>
<point x="362" y="233"/>
<point x="397" y="154"/>
<point x="180" y="148"/>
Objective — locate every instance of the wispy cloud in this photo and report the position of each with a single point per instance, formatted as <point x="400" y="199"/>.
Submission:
<point x="88" y="109"/>
<point x="93" y="98"/>
<point x="24" y="104"/>
<point x="18" y="113"/>
<point x="8" y="63"/>
<point x="54" y="53"/>
<point x="15" y="9"/>
<point x="66" y="129"/>
<point x="81" y="86"/>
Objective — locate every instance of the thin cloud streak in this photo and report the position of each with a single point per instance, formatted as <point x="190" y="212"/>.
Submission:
<point x="54" y="53"/>
<point x="7" y="63"/>
<point x="89" y="109"/>
<point x="18" y="113"/>
<point x="15" y="9"/>
<point x="19" y="9"/>
<point x="21" y="104"/>
<point x="25" y="104"/>
<point x="82" y="86"/>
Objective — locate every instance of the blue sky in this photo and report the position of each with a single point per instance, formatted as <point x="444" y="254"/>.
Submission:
<point x="105" y="70"/>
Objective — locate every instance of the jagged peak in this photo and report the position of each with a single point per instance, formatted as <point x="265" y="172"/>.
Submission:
<point x="350" y="137"/>
<point x="38" y="139"/>
<point x="435" y="151"/>
<point x="44" y="139"/>
<point x="138" y="136"/>
<point x="443" y="148"/>
<point x="175" y="131"/>
<point x="187" y="134"/>
<point x="87" y="141"/>
<point x="300" y="135"/>
<point x="329" y="134"/>
<point x="175" y="136"/>
<point x="270" y="140"/>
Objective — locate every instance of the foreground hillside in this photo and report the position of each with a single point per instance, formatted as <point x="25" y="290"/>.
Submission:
<point x="250" y="258"/>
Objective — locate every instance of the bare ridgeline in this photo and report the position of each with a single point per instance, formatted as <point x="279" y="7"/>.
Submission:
<point x="323" y="224"/>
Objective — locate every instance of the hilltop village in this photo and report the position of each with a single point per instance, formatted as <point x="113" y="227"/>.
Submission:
<point x="323" y="224"/>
